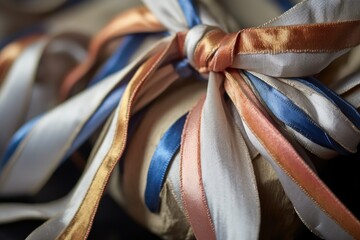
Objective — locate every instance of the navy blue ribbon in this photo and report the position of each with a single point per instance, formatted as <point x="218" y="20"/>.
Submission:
<point x="164" y="153"/>
<point x="293" y="116"/>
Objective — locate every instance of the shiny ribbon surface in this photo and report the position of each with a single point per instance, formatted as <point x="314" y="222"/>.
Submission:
<point x="284" y="115"/>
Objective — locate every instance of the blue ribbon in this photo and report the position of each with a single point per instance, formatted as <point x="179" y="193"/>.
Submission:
<point x="16" y="140"/>
<point x="123" y="55"/>
<point x="115" y="63"/>
<point x="164" y="153"/>
<point x="98" y="118"/>
<point x="343" y="105"/>
<point x="190" y="12"/>
<point x="120" y="58"/>
<point x="293" y="116"/>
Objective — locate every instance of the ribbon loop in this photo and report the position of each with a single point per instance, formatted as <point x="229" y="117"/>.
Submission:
<point x="210" y="49"/>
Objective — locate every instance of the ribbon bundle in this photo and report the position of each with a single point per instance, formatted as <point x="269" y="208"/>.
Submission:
<point x="259" y="103"/>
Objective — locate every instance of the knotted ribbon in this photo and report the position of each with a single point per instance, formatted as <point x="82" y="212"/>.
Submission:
<point x="276" y="51"/>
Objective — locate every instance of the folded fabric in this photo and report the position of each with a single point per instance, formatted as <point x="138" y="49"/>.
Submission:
<point x="207" y="131"/>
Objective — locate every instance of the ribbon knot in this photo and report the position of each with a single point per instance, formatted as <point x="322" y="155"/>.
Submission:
<point x="209" y="48"/>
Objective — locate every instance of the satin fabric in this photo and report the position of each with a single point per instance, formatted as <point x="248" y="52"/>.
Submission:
<point x="164" y="153"/>
<point x="328" y="219"/>
<point x="193" y="38"/>
<point x="229" y="159"/>
<point x="12" y="114"/>
<point x="85" y="203"/>
<point x="88" y="124"/>
<point x="28" y="80"/>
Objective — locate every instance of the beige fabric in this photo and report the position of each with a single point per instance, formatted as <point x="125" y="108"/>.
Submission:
<point x="278" y="217"/>
<point x="341" y="68"/>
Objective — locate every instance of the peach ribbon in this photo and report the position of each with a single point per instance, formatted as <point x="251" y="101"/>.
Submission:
<point x="192" y="188"/>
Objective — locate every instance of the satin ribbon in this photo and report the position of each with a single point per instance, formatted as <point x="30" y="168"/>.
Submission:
<point x="17" y="94"/>
<point x="294" y="166"/>
<point x="120" y="58"/>
<point x="77" y="218"/>
<point x="88" y="129"/>
<point x="296" y="118"/>
<point x="133" y="21"/>
<point x="106" y="160"/>
<point x="343" y="105"/>
<point x="92" y="124"/>
<point x="17" y="138"/>
<point x="170" y="142"/>
<point x="113" y="65"/>
<point x="34" y="92"/>
<point x="193" y="194"/>
<point x="209" y="62"/>
<point x="336" y="120"/>
<point x="164" y="153"/>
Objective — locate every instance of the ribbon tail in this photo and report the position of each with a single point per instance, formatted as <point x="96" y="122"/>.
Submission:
<point x="76" y="220"/>
<point x="315" y="204"/>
